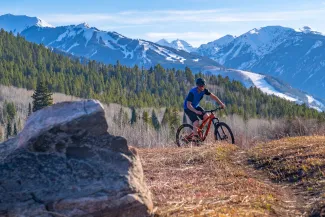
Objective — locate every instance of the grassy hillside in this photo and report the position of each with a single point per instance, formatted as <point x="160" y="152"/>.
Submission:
<point x="211" y="181"/>
<point x="285" y="179"/>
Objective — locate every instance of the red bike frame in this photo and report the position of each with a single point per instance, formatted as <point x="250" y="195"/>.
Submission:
<point x="200" y="129"/>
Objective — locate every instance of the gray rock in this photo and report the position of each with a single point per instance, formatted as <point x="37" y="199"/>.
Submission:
<point x="64" y="163"/>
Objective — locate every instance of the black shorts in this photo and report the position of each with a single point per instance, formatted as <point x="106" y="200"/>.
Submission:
<point x="194" y="117"/>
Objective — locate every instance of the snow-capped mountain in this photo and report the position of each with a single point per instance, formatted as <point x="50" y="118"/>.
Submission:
<point x="16" y="24"/>
<point x="163" y="42"/>
<point x="211" y="49"/>
<point x="110" y="47"/>
<point x="177" y="44"/>
<point x="270" y="86"/>
<point x="295" y="56"/>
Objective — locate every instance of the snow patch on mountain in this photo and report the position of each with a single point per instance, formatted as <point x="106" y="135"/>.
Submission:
<point x="316" y="45"/>
<point x="74" y="45"/>
<point x="264" y="40"/>
<point x="17" y="23"/>
<point x="93" y="53"/>
<point x="249" y="79"/>
<point x="177" y="44"/>
<point x="315" y="103"/>
<point x="211" y="48"/>
<point x="308" y="30"/>
<point x="260" y="82"/>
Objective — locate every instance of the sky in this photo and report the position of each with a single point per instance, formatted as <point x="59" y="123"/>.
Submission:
<point x="195" y="21"/>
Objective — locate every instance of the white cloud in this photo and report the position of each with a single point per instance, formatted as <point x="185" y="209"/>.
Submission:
<point x="185" y="16"/>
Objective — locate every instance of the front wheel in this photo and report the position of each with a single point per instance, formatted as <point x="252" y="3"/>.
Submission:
<point x="223" y="132"/>
<point x="184" y="136"/>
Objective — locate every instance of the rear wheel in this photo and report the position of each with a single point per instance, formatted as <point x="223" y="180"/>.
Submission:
<point x="184" y="136"/>
<point x="223" y="132"/>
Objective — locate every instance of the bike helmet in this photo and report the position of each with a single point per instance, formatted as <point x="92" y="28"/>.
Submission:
<point x="200" y="82"/>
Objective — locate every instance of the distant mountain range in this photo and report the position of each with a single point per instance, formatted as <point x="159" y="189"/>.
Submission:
<point x="177" y="44"/>
<point x="103" y="46"/>
<point x="296" y="56"/>
<point x="17" y="24"/>
<point x="269" y="85"/>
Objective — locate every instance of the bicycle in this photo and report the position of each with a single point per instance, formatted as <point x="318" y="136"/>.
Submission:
<point x="185" y="135"/>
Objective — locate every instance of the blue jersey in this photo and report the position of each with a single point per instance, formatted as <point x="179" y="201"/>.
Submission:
<point x="195" y="97"/>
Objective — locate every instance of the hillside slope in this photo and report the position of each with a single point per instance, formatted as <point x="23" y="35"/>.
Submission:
<point x="219" y="180"/>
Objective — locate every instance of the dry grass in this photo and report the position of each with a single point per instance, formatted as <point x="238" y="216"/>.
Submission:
<point x="299" y="161"/>
<point x="208" y="181"/>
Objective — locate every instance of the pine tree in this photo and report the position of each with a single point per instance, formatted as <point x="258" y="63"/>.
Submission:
<point x="11" y="110"/>
<point x="166" y="117"/>
<point x="125" y="118"/>
<point x="121" y="119"/>
<point x="29" y="109"/>
<point x="174" y="119"/>
<point x="133" y="116"/>
<point x="15" y="129"/>
<point x="42" y="97"/>
<point x="8" y="129"/>
<point x="145" y="117"/>
<point x="154" y="120"/>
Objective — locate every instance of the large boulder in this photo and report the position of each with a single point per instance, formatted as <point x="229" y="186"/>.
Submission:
<point x="65" y="163"/>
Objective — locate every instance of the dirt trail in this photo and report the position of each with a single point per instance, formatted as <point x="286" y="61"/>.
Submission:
<point x="292" y="204"/>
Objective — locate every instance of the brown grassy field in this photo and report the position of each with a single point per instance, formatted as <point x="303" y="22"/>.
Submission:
<point x="298" y="162"/>
<point x="212" y="180"/>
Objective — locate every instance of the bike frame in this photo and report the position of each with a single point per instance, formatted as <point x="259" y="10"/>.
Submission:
<point x="203" y="135"/>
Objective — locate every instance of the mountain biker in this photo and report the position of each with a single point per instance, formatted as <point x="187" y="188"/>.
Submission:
<point x="192" y="101"/>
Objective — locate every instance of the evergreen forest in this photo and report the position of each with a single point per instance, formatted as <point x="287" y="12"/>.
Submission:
<point x="24" y="64"/>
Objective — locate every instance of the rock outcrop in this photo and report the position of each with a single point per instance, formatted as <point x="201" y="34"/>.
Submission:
<point x="65" y="163"/>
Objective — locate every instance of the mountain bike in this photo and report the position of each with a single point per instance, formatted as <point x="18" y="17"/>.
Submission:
<point x="185" y="136"/>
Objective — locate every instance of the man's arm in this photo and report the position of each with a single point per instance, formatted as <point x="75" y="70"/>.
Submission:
<point x="190" y="107"/>
<point x="215" y="98"/>
<point x="190" y="99"/>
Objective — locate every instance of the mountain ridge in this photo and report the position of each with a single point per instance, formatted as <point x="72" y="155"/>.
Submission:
<point x="294" y="56"/>
<point x="104" y="46"/>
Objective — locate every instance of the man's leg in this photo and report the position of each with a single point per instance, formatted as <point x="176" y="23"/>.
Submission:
<point x="203" y="117"/>
<point x="195" y="120"/>
<point x="195" y="127"/>
<point x="206" y="115"/>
